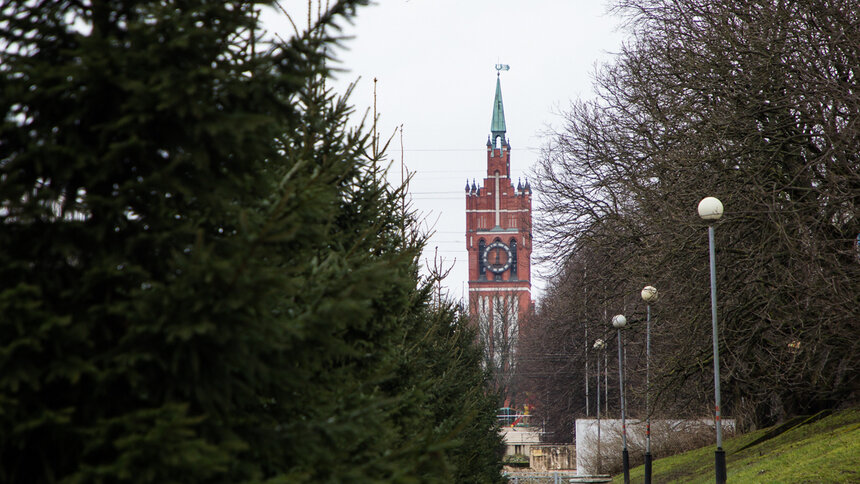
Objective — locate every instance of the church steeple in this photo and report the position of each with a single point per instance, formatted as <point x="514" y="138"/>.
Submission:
<point x="497" y="126"/>
<point x="499" y="244"/>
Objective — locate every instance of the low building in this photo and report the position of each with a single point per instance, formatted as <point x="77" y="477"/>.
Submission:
<point x="520" y="440"/>
<point x="552" y="457"/>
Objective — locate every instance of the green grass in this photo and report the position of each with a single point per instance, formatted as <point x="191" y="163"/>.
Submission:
<point x="820" y="449"/>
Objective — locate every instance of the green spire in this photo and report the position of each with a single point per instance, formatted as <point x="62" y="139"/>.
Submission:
<point x="497" y="127"/>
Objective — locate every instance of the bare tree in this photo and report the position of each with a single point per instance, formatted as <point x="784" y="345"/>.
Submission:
<point x="755" y="102"/>
<point x="555" y="351"/>
<point x="498" y="331"/>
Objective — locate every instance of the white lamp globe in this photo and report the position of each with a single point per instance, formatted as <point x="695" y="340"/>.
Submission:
<point x="710" y="208"/>
<point x="619" y="321"/>
<point x="599" y="344"/>
<point x="649" y="294"/>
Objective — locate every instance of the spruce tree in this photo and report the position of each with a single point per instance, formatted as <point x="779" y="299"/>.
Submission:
<point x="203" y="274"/>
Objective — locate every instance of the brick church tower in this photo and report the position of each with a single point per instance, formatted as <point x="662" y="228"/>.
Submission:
<point x="499" y="242"/>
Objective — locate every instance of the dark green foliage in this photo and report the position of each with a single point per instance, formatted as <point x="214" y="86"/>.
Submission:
<point x="440" y="362"/>
<point x="203" y="276"/>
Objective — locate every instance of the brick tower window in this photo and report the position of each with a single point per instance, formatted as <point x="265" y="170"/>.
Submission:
<point x="513" y="246"/>
<point x="481" y="269"/>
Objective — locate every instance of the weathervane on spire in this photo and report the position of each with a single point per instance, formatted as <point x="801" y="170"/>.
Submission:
<point x="497" y="126"/>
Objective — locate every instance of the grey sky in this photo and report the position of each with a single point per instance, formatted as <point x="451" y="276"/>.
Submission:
<point x="434" y="62"/>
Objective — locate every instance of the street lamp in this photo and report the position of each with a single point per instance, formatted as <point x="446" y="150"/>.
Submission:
<point x="712" y="209"/>
<point x="649" y="295"/>
<point x="598" y="345"/>
<point x="618" y="322"/>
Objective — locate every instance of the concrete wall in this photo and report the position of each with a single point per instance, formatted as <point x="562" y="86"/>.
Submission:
<point x="610" y="431"/>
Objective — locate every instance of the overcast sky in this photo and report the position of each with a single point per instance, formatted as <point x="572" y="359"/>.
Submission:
<point x="435" y="65"/>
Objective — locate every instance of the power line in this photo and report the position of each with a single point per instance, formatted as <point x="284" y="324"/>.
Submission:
<point x="524" y="148"/>
<point x="452" y="192"/>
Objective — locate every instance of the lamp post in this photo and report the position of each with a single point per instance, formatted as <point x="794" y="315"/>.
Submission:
<point x="605" y="382"/>
<point x="587" y="405"/>
<point x="598" y="345"/>
<point x="618" y="322"/>
<point x="649" y="295"/>
<point x="711" y="209"/>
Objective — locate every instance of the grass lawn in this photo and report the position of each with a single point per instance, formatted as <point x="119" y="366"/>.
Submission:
<point x="818" y="449"/>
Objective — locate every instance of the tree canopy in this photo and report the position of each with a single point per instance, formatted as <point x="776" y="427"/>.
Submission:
<point x="755" y="103"/>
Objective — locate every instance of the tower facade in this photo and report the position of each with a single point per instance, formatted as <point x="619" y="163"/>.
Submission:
<point x="499" y="243"/>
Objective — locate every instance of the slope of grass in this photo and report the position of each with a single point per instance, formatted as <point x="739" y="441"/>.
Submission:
<point x="820" y="449"/>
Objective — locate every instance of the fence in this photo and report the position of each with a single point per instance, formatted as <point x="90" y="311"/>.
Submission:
<point x="556" y="478"/>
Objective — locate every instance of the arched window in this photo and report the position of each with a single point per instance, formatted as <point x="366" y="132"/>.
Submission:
<point x="482" y="246"/>
<point x="513" y="247"/>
